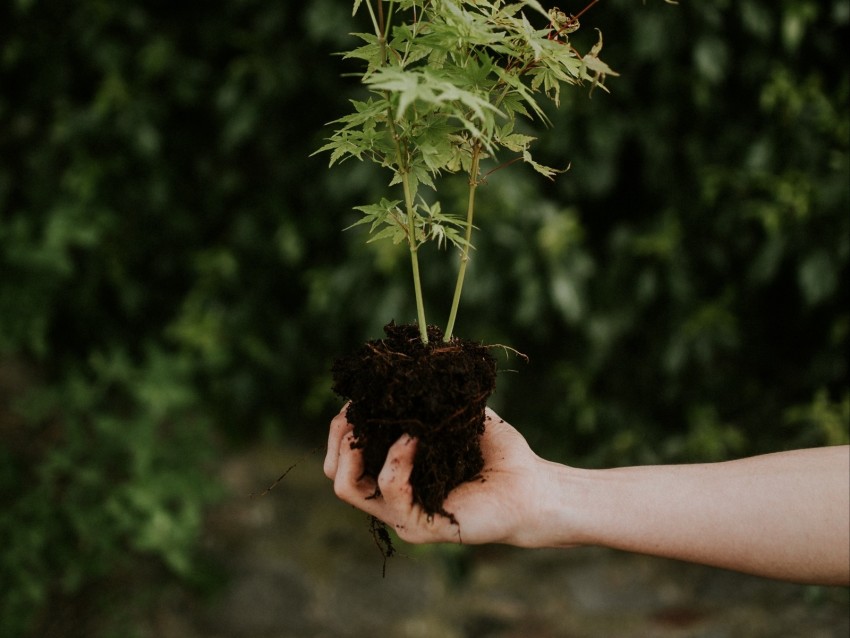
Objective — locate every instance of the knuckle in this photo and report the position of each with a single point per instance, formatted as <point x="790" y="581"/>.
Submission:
<point x="340" y="489"/>
<point x="344" y="491"/>
<point x="393" y="487"/>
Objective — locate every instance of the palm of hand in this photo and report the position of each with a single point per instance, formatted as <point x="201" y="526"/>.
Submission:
<point x="489" y="509"/>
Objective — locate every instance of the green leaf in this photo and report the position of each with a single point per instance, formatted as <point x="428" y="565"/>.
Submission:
<point x="370" y="52"/>
<point x="429" y="87"/>
<point x="436" y="153"/>
<point x="517" y="142"/>
<point x="599" y="69"/>
<point x="540" y="168"/>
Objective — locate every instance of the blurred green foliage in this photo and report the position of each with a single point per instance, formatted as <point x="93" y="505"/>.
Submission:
<point x="174" y="279"/>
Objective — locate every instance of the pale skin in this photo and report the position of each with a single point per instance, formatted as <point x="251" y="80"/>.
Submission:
<point x="784" y="516"/>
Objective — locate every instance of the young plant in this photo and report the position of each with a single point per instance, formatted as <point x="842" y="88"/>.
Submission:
<point x="447" y="80"/>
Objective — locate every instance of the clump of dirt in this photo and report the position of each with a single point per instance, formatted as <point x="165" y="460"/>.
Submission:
<point x="436" y="392"/>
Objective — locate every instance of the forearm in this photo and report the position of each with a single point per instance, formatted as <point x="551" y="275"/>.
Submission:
<point x="783" y="515"/>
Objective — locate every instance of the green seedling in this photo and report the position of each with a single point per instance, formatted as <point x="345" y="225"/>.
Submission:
<point x="447" y="81"/>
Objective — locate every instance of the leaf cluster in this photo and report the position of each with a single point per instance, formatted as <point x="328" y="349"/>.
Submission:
<point x="446" y="81"/>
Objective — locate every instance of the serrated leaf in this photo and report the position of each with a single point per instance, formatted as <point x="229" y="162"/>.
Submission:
<point x="531" y="38"/>
<point x="599" y="69"/>
<point x="546" y="171"/>
<point x="420" y="173"/>
<point x="517" y="142"/>
<point x="534" y="4"/>
<point x="386" y="214"/>
<point x="391" y="232"/>
<point x="437" y="154"/>
<point x="431" y="88"/>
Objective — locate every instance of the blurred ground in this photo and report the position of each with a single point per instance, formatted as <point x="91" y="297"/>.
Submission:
<point x="300" y="564"/>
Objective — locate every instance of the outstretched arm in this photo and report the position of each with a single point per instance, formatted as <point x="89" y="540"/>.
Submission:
<point x="784" y="515"/>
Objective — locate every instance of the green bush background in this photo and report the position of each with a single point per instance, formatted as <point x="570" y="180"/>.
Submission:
<point x="175" y="282"/>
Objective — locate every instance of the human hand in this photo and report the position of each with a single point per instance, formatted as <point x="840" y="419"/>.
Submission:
<point x="695" y="512"/>
<point x="502" y="506"/>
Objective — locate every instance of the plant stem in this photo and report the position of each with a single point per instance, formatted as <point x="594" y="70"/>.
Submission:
<point x="381" y="30"/>
<point x="414" y="258"/>
<point x="410" y="208"/>
<point x="464" y="258"/>
<point x="470" y="212"/>
<point x="375" y="24"/>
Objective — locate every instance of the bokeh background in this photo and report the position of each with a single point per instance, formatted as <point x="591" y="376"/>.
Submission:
<point x="175" y="280"/>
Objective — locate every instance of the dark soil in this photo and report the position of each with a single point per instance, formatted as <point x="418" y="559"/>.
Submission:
<point x="436" y="392"/>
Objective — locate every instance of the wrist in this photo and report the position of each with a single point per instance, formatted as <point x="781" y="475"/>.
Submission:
<point x="559" y="511"/>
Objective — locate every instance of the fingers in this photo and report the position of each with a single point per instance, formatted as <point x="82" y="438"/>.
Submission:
<point x="394" y="479"/>
<point x="350" y="484"/>
<point x="390" y="496"/>
<point x="339" y="428"/>
<point x="344" y="465"/>
<point x="396" y="505"/>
